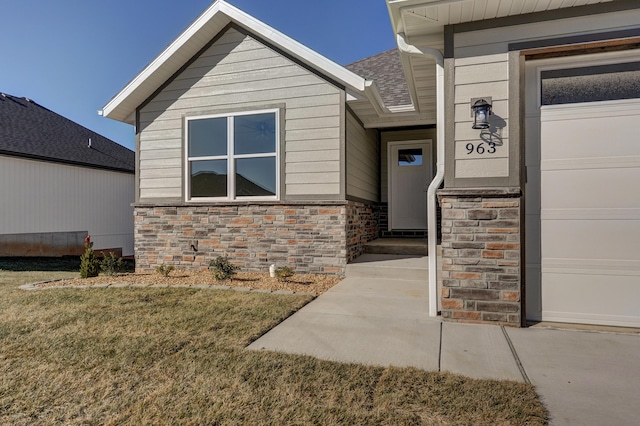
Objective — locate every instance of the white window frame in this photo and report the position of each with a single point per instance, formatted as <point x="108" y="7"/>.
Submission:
<point x="231" y="157"/>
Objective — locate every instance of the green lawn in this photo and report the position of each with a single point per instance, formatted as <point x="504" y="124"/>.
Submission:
<point x="176" y="356"/>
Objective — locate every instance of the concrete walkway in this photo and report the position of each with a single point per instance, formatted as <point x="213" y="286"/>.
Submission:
<point x="378" y="316"/>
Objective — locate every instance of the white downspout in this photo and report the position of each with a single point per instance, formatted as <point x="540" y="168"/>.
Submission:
<point x="432" y="220"/>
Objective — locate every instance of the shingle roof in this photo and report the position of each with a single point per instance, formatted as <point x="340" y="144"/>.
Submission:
<point x="31" y="130"/>
<point x="385" y="69"/>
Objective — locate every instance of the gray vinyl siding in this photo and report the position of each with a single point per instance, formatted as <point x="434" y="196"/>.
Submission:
<point x="477" y="77"/>
<point x="484" y="66"/>
<point x="400" y="136"/>
<point x="363" y="161"/>
<point x="239" y="73"/>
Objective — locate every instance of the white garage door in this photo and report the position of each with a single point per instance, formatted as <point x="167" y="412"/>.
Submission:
<point x="583" y="221"/>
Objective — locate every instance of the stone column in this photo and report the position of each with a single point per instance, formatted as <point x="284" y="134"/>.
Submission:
<point x="482" y="255"/>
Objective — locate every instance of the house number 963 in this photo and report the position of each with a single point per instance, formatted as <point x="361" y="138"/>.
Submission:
<point x="481" y="148"/>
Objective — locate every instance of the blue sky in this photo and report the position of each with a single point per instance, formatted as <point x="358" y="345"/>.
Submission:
<point x="73" y="56"/>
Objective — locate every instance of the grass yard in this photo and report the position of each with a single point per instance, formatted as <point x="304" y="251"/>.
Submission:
<point x="175" y="356"/>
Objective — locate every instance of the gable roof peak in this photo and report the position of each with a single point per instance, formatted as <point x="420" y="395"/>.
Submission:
<point x="204" y="28"/>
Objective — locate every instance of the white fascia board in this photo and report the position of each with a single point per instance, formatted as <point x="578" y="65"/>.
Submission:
<point x="111" y="109"/>
<point x="412" y="120"/>
<point x="418" y="3"/>
<point x="402" y="108"/>
<point x="121" y="106"/>
<point x="373" y="95"/>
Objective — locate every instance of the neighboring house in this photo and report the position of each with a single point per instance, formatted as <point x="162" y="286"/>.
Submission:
<point x="254" y="146"/>
<point x="60" y="182"/>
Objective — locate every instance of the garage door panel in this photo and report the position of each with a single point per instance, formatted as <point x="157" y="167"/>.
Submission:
<point x="590" y="239"/>
<point x="583" y="124"/>
<point x="590" y="188"/>
<point x="607" y="137"/>
<point x="589" y="298"/>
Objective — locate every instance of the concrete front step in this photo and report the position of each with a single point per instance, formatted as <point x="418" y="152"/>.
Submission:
<point x="403" y="246"/>
<point x="389" y="266"/>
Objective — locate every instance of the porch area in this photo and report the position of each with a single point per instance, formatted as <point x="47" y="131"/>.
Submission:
<point x="378" y="315"/>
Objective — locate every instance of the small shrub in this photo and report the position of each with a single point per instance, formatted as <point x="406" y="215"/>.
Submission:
<point x="89" y="262"/>
<point x="222" y="268"/>
<point x="111" y="264"/>
<point x="284" y="273"/>
<point x="164" y="270"/>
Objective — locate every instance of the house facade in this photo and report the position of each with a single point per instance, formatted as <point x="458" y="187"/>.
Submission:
<point x="61" y="182"/>
<point x="539" y="221"/>
<point x="253" y="146"/>
<point x="258" y="148"/>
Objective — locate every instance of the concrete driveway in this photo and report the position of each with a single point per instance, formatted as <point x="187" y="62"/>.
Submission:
<point x="379" y="317"/>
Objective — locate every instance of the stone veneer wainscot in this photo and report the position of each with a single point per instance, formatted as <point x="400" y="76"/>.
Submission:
<point x="308" y="236"/>
<point x="482" y="265"/>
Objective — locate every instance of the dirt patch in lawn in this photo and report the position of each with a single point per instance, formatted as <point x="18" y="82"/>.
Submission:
<point x="303" y="283"/>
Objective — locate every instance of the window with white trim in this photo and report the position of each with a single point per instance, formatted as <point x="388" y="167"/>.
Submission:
<point x="232" y="157"/>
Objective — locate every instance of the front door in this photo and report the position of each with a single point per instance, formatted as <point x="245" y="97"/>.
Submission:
<point x="409" y="178"/>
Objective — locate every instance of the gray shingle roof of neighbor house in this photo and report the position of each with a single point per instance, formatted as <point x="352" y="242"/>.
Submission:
<point x="30" y="130"/>
<point x="386" y="70"/>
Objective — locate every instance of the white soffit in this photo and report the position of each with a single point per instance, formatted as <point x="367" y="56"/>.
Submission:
<point x="123" y="105"/>
<point x="422" y="22"/>
<point x="422" y="17"/>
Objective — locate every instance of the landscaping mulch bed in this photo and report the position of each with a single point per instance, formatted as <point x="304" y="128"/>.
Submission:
<point x="303" y="283"/>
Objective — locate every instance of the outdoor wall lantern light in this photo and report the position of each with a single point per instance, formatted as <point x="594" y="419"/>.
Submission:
<point x="481" y="111"/>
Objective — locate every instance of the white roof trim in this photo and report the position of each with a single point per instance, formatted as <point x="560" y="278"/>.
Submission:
<point x="123" y="105"/>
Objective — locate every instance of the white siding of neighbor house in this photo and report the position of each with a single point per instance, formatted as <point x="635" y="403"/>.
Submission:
<point x="239" y="73"/>
<point x="44" y="197"/>
<point x="363" y="161"/>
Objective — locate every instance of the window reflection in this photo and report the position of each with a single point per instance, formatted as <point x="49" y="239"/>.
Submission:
<point x="410" y="157"/>
<point x="256" y="177"/>
<point x="209" y="178"/>
<point x="255" y="134"/>
<point x="208" y="137"/>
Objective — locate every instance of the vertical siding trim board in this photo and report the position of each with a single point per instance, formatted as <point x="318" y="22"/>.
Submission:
<point x="449" y="43"/>
<point x="282" y="163"/>
<point x="449" y="121"/>
<point x="516" y="118"/>
<point x="482" y="256"/>
<point x="343" y="144"/>
<point x="137" y="160"/>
